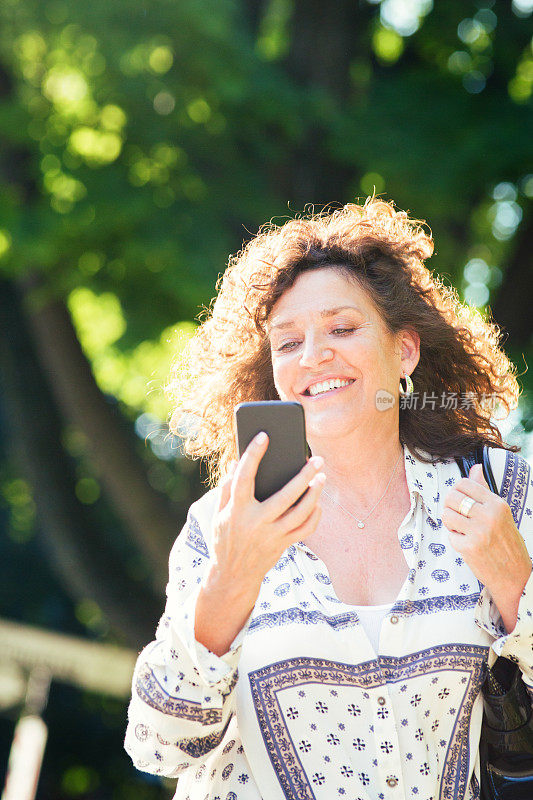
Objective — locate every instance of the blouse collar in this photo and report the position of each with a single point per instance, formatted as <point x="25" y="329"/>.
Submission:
<point x="423" y="480"/>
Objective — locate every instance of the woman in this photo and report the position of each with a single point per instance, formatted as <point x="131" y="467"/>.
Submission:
<point x="336" y="648"/>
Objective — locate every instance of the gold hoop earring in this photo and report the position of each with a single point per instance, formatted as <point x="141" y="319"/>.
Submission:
<point x="409" y="386"/>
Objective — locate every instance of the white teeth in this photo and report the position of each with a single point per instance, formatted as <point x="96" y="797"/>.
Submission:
<point x="326" y="386"/>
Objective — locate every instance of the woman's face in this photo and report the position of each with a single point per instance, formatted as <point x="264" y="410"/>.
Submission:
<point x="326" y="328"/>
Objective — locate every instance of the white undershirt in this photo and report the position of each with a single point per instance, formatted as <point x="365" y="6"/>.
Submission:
<point x="371" y="618"/>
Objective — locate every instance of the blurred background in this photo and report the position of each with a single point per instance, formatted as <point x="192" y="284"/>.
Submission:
<point x="143" y="142"/>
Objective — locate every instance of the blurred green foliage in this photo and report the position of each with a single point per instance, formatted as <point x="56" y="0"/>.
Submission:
<point x="136" y="376"/>
<point x="143" y="140"/>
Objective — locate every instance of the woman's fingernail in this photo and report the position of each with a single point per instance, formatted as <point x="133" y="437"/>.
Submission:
<point x="261" y="437"/>
<point x="317" y="461"/>
<point x="320" y="478"/>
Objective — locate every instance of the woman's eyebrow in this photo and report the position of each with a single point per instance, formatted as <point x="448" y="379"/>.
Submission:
<point x="327" y="312"/>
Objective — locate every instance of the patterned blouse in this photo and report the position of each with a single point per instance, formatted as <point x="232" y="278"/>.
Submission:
<point x="302" y="707"/>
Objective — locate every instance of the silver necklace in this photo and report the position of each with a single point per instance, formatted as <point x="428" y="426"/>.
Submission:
<point x="361" y="522"/>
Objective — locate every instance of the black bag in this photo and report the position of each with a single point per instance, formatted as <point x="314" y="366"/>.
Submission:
<point x="506" y="745"/>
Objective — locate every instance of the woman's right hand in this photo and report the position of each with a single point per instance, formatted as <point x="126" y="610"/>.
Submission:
<point x="249" y="538"/>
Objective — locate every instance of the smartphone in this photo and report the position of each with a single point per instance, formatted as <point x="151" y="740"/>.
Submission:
<point x="287" y="446"/>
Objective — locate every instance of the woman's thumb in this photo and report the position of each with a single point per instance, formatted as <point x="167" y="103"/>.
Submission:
<point x="225" y="492"/>
<point x="476" y="474"/>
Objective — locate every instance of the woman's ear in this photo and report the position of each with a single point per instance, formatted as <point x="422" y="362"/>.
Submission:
<point x="409" y="350"/>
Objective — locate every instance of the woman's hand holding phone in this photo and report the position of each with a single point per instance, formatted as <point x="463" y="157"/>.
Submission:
<point x="249" y="538"/>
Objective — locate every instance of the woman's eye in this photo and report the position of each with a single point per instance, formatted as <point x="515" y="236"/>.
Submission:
<point x="287" y="346"/>
<point x="343" y="330"/>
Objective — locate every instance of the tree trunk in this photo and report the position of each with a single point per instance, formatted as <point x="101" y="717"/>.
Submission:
<point x="325" y="38"/>
<point x="81" y="558"/>
<point x="512" y="308"/>
<point x="146" y="514"/>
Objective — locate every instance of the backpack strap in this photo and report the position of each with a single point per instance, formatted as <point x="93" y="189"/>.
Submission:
<point x="502" y="673"/>
<point x="480" y="455"/>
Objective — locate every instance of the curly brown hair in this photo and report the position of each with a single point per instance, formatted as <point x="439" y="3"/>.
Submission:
<point x="228" y="359"/>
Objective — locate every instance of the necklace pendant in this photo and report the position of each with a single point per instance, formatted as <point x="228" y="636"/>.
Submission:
<point x="360" y="524"/>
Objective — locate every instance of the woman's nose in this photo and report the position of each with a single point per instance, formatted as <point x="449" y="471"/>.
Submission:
<point x="315" y="352"/>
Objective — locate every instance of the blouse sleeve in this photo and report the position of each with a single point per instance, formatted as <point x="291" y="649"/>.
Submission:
<point x="513" y="478"/>
<point x="182" y="693"/>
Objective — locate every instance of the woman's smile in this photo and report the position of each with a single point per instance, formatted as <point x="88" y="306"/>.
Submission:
<point x="327" y="386"/>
